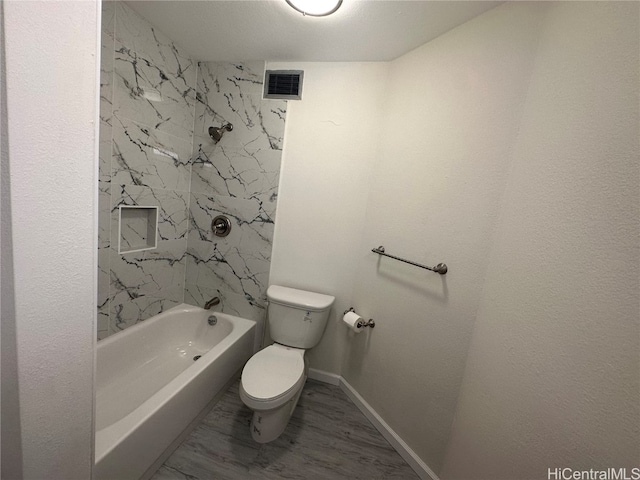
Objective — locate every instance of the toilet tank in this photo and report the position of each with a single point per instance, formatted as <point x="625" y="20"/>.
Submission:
<point x="297" y="318"/>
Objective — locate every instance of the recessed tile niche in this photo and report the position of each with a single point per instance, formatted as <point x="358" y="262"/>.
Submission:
<point x="138" y="228"/>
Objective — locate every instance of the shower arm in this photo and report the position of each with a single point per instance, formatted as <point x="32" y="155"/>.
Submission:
<point x="216" y="132"/>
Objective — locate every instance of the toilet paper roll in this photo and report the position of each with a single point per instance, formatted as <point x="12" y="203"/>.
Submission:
<point x="352" y="319"/>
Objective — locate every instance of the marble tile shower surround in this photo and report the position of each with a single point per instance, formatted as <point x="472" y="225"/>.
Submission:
<point x="146" y="137"/>
<point x="156" y="106"/>
<point x="104" y="165"/>
<point x="228" y="92"/>
<point x="238" y="178"/>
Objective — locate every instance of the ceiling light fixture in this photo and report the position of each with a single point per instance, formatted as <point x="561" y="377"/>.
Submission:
<point x="315" y="8"/>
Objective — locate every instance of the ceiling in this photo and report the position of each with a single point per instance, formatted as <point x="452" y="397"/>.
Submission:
<point x="361" y="30"/>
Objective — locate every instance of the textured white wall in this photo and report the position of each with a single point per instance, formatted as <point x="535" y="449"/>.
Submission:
<point x="506" y="148"/>
<point x="552" y="377"/>
<point x="453" y="106"/>
<point x="52" y="93"/>
<point x="330" y="144"/>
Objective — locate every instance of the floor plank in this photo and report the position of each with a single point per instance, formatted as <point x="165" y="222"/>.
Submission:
<point x="326" y="438"/>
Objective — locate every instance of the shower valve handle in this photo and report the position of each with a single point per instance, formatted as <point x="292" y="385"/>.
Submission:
<point x="221" y="226"/>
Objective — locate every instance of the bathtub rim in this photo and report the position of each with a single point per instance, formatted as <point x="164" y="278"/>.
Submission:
<point x="182" y="308"/>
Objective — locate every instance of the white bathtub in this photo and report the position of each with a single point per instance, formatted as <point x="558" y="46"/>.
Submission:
<point x="149" y="388"/>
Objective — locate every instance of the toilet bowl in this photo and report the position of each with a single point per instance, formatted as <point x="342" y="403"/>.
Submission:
<point x="272" y="380"/>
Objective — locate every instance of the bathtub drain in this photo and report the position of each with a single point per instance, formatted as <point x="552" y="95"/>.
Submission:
<point x="196" y="357"/>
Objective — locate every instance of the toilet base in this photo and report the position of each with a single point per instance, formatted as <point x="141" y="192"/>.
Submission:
<point x="267" y="425"/>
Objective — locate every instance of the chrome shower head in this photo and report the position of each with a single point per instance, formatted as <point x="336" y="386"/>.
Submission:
<point x="216" y="133"/>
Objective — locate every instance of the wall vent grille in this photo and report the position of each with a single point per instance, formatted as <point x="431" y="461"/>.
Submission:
<point x="283" y="84"/>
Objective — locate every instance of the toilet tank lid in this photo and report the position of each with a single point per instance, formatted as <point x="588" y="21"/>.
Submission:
<point x="299" y="298"/>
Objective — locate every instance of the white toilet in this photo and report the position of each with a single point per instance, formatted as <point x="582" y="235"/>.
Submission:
<point x="273" y="378"/>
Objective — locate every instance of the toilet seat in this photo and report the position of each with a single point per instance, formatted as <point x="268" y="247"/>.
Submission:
<point x="272" y="377"/>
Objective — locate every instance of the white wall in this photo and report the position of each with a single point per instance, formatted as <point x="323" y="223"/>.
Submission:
<point x="453" y="107"/>
<point x="330" y="144"/>
<point x="51" y="87"/>
<point x="505" y="148"/>
<point x="552" y="378"/>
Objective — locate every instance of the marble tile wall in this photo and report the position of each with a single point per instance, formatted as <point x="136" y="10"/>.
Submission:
<point x="238" y="178"/>
<point x="156" y="107"/>
<point x="104" y="165"/>
<point x="146" y="139"/>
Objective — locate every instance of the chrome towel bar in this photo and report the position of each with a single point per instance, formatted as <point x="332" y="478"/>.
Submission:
<point x="440" y="268"/>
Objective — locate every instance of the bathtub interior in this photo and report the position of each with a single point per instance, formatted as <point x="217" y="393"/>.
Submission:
<point x="132" y="366"/>
<point x="152" y="390"/>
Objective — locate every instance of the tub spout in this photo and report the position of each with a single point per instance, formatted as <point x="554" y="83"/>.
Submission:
<point x="214" y="301"/>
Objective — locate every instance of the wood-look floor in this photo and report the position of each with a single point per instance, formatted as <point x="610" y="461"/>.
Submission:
<point x="326" y="438"/>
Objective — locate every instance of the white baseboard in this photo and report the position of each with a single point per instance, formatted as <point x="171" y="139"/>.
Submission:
<point x="325" y="377"/>
<point x="409" y="456"/>
<point x="421" y="468"/>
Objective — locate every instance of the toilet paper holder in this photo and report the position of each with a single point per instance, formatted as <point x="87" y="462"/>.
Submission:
<point x="368" y="323"/>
